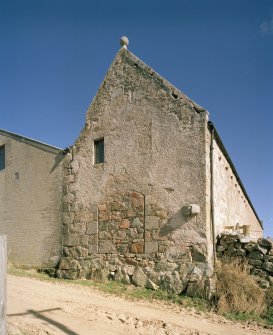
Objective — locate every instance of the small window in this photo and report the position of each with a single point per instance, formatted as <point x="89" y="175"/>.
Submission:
<point x="99" y="151"/>
<point x="2" y="157"/>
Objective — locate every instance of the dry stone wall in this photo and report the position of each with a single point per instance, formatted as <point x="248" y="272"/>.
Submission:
<point x="259" y="255"/>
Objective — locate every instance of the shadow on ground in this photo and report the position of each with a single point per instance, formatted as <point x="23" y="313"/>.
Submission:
<point x="41" y="316"/>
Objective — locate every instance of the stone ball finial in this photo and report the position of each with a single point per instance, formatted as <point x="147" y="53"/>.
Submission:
<point x="124" y="41"/>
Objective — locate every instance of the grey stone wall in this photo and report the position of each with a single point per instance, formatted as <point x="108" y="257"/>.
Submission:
<point x="126" y="214"/>
<point x="31" y="201"/>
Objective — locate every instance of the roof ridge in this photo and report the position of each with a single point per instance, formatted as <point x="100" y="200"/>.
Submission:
<point x="28" y="139"/>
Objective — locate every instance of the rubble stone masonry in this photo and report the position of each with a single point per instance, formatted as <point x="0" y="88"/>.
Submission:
<point x="124" y="218"/>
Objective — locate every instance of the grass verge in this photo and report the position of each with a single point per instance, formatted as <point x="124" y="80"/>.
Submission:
<point x="118" y="289"/>
<point x="234" y="299"/>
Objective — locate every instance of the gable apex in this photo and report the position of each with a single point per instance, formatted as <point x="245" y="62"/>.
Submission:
<point x="126" y="55"/>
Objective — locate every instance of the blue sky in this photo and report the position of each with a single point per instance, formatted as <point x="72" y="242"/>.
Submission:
<point x="55" y="53"/>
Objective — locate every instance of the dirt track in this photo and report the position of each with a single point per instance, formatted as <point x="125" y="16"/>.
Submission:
<point x="42" y="308"/>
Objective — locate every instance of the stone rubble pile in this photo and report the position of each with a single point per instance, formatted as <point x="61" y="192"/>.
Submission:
<point x="259" y="255"/>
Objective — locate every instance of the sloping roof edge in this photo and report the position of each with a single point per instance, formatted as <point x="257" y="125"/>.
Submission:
<point x="30" y="141"/>
<point x="222" y="147"/>
<point x="164" y="83"/>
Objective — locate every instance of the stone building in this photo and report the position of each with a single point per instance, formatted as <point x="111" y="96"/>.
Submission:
<point x="147" y="186"/>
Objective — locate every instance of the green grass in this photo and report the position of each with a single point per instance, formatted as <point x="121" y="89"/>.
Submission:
<point x="265" y="320"/>
<point x="244" y="317"/>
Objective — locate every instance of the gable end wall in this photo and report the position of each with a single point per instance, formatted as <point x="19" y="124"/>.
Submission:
<point x="129" y="210"/>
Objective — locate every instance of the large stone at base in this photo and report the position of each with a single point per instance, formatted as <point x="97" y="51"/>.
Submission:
<point x="201" y="289"/>
<point x="100" y="275"/>
<point x="68" y="263"/>
<point x="139" y="278"/>
<point x="151" y="285"/>
<point x="171" y="282"/>
<point x="122" y="276"/>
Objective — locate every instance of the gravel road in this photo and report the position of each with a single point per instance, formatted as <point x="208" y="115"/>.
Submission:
<point x="45" y="308"/>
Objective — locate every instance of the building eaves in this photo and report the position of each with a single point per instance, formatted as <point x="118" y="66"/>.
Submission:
<point x="222" y="147"/>
<point x="30" y="141"/>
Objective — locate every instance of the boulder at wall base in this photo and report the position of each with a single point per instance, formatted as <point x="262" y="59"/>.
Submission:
<point x="151" y="285"/>
<point x="196" y="289"/>
<point x="118" y="275"/>
<point x="171" y="282"/>
<point x="139" y="278"/>
<point x="153" y="276"/>
<point x="122" y="276"/>
<point x="100" y="275"/>
<point x="68" y="263"/>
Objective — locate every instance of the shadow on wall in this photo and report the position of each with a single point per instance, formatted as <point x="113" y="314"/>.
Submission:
<point x="180" y="221"/>
<point x="188" y="236"/>
<point x="58" y="160"/>
<point x="177" y="221"/>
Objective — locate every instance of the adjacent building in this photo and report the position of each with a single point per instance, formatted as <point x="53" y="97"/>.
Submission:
<point x="31" y="200"/>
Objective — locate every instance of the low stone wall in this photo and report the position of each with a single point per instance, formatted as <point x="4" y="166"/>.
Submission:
<point x="141" y="270"/>
<point x="258" y="254"/>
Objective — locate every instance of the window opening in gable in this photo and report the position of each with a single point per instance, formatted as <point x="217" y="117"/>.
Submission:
<point x="99" y="151"/>
<point x="2" y="158"/>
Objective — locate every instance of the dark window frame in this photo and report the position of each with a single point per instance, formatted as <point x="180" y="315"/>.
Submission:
<point x="99" y="156"/>
<point x="2" y="157"/>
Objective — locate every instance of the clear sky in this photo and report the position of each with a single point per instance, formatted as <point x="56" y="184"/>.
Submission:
<point x="55" y="53"/>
